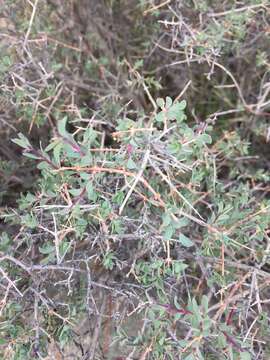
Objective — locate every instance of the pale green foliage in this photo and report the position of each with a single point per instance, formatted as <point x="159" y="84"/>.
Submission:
<point x="143" y="191"/>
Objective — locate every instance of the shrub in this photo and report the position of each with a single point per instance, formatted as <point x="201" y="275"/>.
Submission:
<point x="137" y="225"/>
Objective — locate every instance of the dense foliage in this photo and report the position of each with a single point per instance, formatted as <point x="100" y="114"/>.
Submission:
<point x="134" y="180"/>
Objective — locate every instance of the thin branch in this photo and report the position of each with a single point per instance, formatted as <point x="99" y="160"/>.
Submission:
<point x="156" y="7"/>
<point x="12" y="283"/>
<point x="137" y="179"/>
<point x="232" y="11"/>
<point x="30" y="22"/>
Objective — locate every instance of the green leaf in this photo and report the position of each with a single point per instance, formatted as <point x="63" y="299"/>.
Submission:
<point x="245" y="355"/>
<point x="195" y="307"/>
<point x="181" y="223"/>
<point x="51" y="145"/>
<point x="138" y="64"/>
<point x="61" y="127"/>
<point x="168" y="102"/>
<point x="46" y="249"/>
<point x="85" y="176"/>
<point x="75" y="192"/>
<point x="22" y="141"/>
<point x="189" y="357"/>
<point x="174" y="147"/>
<point x="63" y="248"/>
<point x="175" y="112"/>
<point x="87" y="160"/>
<point x="160" y="102"/>
<point x="118" y="198"/>
<point x="131" y="164"/>
<point x="117" y="226"/>
<point x="57" y="152"/>
<point x="91" y="193"/>
<point x="160" y="117"/>
<point x="222" y="342"/>
<point x="168" y="233"/>
<point x="89" y="136"/>
<point x="179" y="266"/>
<point x="70" y="152"/>
<point x="4" y="241"/>
<point x="30" y="220"/>
<point x="204" y="139"/>
<point x="48" y="259"/>
<point x="31" y="156"/>
<point x="185" y="241"/>
<point x="204" y="304"/>
<point x="43" y="165"/>
<point x="180" y="117"/>
<point x="183" y="343"/>
<point x="27" y="201"/>
<point x="182" y="105"/>
<point x="167" y="220"/>
<point x="157" y="264"/>
<point x="108" y="260"/>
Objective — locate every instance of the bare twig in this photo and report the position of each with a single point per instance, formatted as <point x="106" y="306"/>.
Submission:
<point x="97" y="331"/>
<point x="34" y="6"/>
<point x="136" y="180"/>
<point x="12" y="283"/>
<point x="156" y="7"/>
<point x="237" y="10"/>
